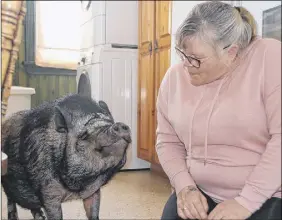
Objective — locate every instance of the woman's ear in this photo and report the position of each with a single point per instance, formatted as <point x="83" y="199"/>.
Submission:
<point x="233" y="51"/>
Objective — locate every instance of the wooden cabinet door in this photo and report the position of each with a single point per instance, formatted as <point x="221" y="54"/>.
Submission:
<point x="162" y="45"/>
<point x="145" y="79"/>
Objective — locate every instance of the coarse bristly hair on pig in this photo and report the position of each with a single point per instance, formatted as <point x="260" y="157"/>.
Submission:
<point x="61" y="150"/>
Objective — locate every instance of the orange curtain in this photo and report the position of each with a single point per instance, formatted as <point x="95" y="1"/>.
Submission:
<point x="57" y="34"/>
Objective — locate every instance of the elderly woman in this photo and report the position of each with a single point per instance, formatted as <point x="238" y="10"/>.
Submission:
<point x="219" y="118"/>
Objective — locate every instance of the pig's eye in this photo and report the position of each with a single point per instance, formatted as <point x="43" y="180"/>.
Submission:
<point x="84" y="135"/>
<point x="94" y="116"/>
<point x="92" y="119"/>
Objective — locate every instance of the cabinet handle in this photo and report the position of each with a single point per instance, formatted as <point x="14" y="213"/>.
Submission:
<point x="156" y="44"/>
<point x="150" y="47"/>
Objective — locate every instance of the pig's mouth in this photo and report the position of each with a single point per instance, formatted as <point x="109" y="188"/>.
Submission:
<point x="123" y="160"/>
<point x="113" y="144"/>
<point x="127" y="139"/>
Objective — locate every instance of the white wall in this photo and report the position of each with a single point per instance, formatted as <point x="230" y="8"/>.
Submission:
<point x="180" y="10"/>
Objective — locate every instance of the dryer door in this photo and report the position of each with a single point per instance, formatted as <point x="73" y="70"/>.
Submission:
<point x="84" y="86"/>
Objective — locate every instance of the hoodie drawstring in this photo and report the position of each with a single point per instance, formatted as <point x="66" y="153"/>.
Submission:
<point x="190" y="130"/>
<point x="207" y="124"/>
<point x="209" y="117"/>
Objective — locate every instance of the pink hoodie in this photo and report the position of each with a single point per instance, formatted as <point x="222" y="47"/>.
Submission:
<point x="225" y="137"/>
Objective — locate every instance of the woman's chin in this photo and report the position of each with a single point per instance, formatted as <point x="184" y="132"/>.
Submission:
<point x="196" y="80"/>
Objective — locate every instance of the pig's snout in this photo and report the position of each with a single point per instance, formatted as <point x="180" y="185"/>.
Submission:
<point x="122" y="130"/>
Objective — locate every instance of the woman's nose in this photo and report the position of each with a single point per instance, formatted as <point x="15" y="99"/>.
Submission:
<point x="186" y="63"/>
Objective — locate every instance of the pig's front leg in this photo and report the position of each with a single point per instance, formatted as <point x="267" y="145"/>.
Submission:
<point x="92" y="205"/>
<point x="53" y="211"/>
<point x="12" y="210"/>
<point x="52" y="195"/>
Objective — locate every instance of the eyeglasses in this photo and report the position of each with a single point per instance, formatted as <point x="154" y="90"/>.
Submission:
<point x="193" y="61"/>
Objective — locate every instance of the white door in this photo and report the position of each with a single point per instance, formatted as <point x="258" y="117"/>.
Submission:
<point x="267" y="15"/>
<point x="119" y="89"/>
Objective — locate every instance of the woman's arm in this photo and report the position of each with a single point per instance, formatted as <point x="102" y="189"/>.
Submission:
<point x="265" y="179"/>
<point x="171" y="151"/>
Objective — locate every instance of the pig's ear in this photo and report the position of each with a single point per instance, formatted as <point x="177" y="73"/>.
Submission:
<point x="104" y="106"/>
<point x="106" y="109"/>
<point x="60" y="121"/>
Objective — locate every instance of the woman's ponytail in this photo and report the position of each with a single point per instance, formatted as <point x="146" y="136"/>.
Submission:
<point x="249" y="21"/>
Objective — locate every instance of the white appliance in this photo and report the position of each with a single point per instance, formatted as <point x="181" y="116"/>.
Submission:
<point x="109" y="63"/>
<point x="19" y="99"/>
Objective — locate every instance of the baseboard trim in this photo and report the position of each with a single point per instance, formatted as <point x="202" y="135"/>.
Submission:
<point x="155" y="168"/>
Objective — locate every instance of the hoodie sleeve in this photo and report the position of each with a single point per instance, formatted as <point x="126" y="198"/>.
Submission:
<point x="265" y="179"/>
<point x="171" y="151"/>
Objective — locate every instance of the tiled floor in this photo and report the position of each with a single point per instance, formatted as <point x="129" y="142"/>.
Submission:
<point x="130" y="195"/>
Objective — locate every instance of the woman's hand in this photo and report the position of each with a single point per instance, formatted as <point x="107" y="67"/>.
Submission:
<point x="229" y="209"/>
<point x="191" y="204"/>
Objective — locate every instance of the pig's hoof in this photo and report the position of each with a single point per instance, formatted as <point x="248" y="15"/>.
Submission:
<point x="38" y="214"/>
<point x="12" y="216"/>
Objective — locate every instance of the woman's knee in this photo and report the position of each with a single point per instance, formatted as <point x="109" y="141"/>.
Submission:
<point x="170" y="208"/>
<point x="269" y="211"/>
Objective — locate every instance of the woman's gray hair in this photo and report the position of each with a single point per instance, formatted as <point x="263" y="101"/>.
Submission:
<point x="218" y="23"/>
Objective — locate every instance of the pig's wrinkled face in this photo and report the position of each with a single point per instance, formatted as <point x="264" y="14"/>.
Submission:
<point x="102" y="134"/>
<point x="93" y="130"/>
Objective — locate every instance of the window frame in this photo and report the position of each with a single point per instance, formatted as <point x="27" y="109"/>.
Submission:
<point x="29" y="40"/>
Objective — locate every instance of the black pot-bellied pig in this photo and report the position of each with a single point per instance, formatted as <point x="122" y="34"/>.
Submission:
<point x="61" y="150"/>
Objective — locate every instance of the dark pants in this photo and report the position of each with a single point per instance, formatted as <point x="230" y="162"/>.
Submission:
<point x="270" y="210"/>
